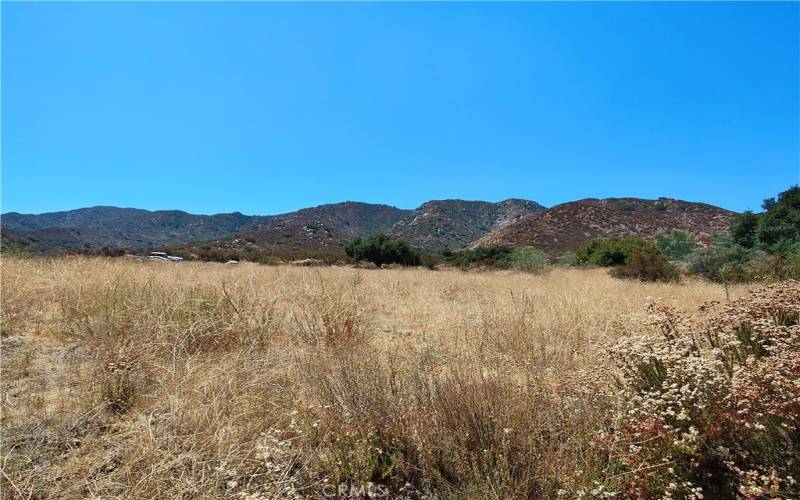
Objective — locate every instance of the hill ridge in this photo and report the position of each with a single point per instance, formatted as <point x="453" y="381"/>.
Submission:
<point x="435" y="224"/>
<point x="324" y="226"/>
<point x="568" y="225"/>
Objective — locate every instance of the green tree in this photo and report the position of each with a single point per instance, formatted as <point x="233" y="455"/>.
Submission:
<point x="676" y="245"/>
<point x="611" y="251"/>
<point x="744" y="229"/>
<point x="779" y="227"/>
<point x="485" y="255"/>
<point x="724" y="259"/>
<point x="527" y="259"/>
<point x="647" y="265"/>
<point x="381" y="249"/>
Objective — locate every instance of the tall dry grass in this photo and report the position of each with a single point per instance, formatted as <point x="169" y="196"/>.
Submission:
<point x="199" y="380"/>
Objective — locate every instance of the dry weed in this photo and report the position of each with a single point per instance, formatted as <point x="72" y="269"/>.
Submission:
<point x="198" y="380"/>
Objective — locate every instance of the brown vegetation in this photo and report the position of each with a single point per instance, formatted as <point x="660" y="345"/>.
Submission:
<point x="199" y="380"/>
<point x="570" y="225"/>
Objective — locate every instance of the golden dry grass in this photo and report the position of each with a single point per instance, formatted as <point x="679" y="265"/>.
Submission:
<point x="199" y="380"/>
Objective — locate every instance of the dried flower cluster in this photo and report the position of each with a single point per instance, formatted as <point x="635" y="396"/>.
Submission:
<point x="710" y="408"/>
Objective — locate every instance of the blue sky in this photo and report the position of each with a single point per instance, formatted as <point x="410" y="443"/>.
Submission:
<point x="269" y="107"/>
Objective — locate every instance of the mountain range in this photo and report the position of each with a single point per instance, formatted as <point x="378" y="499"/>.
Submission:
<point x="435" y="225"/>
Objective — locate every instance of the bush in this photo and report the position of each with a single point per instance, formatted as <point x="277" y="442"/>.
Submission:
<point x="430" y="259"/>
<point x="611" y="251"/>
<point x="715" y="403"/>
<point x="759" y="246"/>
<point x="647" y="265"/>
<point x="501" y="256"/>
<point x="16" y="249"/>
<point x="109" y="251"/>
<point x="791" y="265"/>
<point x="568" y="259"/>
<point x="776" y="230"/>
<point x="381" y="249"/>
<point x="676" y="245"/>
<point x="779" y="227"/>
<point x="489" y="255"/>
<point x="724" y="259"/>
<point x="527" y="259"/>
<point x="744" y="229"/>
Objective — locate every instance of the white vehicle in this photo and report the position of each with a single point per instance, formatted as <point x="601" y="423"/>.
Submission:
<point x="164" y="256"/>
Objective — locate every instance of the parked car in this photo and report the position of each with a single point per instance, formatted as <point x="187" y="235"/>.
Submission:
<point x="164" y="256"/>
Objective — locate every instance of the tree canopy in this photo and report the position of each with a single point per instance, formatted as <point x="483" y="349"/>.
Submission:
<point x="776" y="230"/>
<point x="381" y="249"/>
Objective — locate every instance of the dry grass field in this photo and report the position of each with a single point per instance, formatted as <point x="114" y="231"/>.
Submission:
<point x="198" y="380"/>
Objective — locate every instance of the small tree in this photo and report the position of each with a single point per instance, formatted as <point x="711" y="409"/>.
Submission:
<point x="381" y="249"/>
<point x="676" y="245"/>
<point x="725" y="261"/>
<point x="430" y="259"/>
<point x="490" y="255"/>
<point x="779" y="227"/>
<point x="528" y="259"/>
<point x="611" y="251"/>
<point x="647" y="265"/>
<point x="744" y="229"/>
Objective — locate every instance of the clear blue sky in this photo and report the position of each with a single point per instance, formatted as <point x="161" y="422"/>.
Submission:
<point x="269" y="107"/>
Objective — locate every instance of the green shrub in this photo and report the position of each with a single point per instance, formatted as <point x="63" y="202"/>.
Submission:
<point x="779" y="227"/>
<point x="501" y="256"/>
<point x="430" y="259"/>
<point x="776" y="230"/>
<point x="489" y="255"/>
<point x="647" y="265"/>
<point x="611" y="251"/>
<point x="111" y="251"/>
<point x="527" y="259"/>
<point x="728" y="261"/>
<point x="791" y="265"/>
<point x="725" y="261"/>
<point x="568" y="259"/>
<point x="676" y="245"/>
<point x="744" y="229"/>
<point x="381" y="249"/>
<point x="16" y="249"/>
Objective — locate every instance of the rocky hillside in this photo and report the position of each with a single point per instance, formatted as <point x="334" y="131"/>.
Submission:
<point x="53" y="239"/>
<point x="325" y="227"/>
<point x="453" y="223"/>
<point x="435" y="225"/>
<point x="95" y="227"/>
<point x="569" y="225"/>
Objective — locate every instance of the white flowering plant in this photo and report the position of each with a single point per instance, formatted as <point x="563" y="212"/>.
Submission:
<point x="710" y="407"/>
